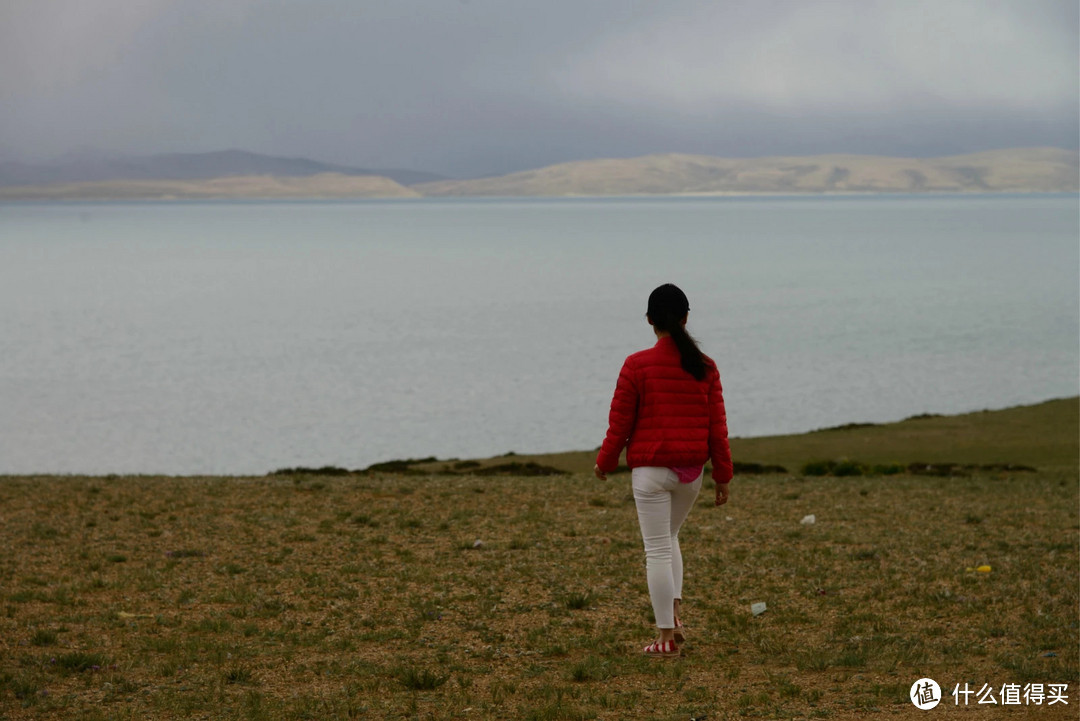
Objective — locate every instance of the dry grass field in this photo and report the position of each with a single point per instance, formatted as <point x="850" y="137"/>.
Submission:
<point x="433" y="596"/>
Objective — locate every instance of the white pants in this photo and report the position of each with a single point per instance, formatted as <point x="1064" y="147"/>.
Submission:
<point x="662" y="505"/>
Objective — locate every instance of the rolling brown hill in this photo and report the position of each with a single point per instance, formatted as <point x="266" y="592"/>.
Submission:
<point x="1014" y="170"/>
<point x="322" y="185"/>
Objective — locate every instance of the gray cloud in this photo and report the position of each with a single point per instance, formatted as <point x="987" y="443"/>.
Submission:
<point x="488" y="86"/>
<point x="856" y="55"/>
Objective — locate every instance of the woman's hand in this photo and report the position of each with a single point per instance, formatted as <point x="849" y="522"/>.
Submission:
<point x="721" y="493"/>
<point x="599" y="474"/>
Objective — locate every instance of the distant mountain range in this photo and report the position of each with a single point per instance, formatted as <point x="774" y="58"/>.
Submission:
<point x="188" y="166"/>
<point x="239" y="174"/>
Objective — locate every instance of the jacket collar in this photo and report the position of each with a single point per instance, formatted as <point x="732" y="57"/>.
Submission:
<point x="665" y="341"/>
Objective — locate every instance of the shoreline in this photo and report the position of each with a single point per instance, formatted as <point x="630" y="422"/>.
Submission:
<point x="1044" y="434"/>
<point x="47" y="198"/>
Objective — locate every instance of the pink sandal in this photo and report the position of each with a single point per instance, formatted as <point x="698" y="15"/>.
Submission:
<point x="662" y="649"/>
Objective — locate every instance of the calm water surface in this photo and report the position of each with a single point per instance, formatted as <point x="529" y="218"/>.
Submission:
<point x="243" y="337"/>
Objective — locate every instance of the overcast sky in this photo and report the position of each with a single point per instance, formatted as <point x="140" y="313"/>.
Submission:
<point x="474" y="87"/>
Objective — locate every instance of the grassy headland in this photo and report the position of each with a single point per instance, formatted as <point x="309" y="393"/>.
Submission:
<point x="1043" y="435"/>
<point x="428" y="595"/>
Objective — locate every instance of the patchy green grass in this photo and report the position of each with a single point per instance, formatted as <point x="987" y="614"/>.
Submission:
<point x="546" y="618"/>
<point x="368" y="597"/>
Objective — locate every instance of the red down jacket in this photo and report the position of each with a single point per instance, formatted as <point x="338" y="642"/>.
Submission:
<point x="665" y="417"/>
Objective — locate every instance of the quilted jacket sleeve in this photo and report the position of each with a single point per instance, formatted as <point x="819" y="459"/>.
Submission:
<point x="719" y="448"/>
<point x="621" y="419"/>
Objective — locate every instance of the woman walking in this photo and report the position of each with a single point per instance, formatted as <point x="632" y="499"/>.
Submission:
<point x="668" y="412"/>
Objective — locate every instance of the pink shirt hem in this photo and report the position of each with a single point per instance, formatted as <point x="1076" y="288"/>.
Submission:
<point x="688" y="474"/>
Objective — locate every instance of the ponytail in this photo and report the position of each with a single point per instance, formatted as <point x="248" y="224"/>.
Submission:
<point x="668" y="307"/>
<point x="693" y="361"/>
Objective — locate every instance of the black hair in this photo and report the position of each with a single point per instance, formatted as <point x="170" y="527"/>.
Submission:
<point x="668" y="307"/>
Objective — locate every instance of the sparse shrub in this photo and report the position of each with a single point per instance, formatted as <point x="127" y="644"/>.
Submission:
<point x="590" y="669"/>
<point x="578" y="600"/>
<point x="25" y="689"/>
<point x="520" y="469"/>
<point x="399" y="466"/>
<point x="185" y="553"/>
<point x="813" y="659"/>
<point x="44" y="533"/>
<point x="238" y="674"/>
<point x="270" y="608"/>
<point x="845" y="427"/>
<point x="420" y="679"/>
<point x="213" y="625"/>
<point x="756" y="469"/>
<point x="818" y="468"/>
<point x="934" y="469"/>
<point x="920" y="468"/>
<point x="426" y="611"/>
<point x="305" y="471"/>
<point x="43" y="637"/>
<point x="79" y="661"/>
<point x="29" y="596"/>
<point x="847" y="467"/>
<point x="1010" y="467"/>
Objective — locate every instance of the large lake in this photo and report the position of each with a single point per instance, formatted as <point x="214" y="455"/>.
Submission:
<point x="191" y="338"/>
